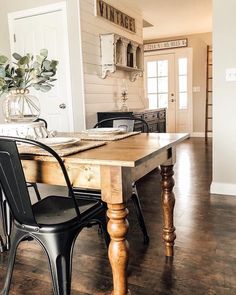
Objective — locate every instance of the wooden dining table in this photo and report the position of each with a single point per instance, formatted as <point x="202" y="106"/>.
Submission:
<point x="113" y="168"/>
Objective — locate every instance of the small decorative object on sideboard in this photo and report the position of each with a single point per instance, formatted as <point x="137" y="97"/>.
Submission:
<point x="17" y="77"/>
<point x="124" y="97"/>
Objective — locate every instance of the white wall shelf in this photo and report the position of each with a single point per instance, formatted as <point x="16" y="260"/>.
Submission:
<point x="120" y="53"/>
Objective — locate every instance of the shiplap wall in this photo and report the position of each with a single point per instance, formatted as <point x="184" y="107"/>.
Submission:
<point x="105" y="94"/>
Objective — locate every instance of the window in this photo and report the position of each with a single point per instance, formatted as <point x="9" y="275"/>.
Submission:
<point x="183" y="85"/>
<point x="157" y="83"/>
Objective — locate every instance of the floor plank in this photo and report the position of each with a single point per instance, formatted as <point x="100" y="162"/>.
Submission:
<point x="205" y="257"/>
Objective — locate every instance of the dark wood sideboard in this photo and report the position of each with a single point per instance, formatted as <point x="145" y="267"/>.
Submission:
<point x="156" y="118"/>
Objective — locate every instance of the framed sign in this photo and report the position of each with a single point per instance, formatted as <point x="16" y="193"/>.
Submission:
<point x="114" y="15"/>
<point x="166" y="45"/>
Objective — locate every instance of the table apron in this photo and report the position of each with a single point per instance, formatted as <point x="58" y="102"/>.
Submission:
<point x="114" y="181"/>
<point x="81" y="175"/>
<point x="144" y="168"/>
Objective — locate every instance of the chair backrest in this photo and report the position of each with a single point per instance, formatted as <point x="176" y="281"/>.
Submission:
<point x="13" y="183"/>
<point x="42" y="120"/>
<point x="127" y="123"/>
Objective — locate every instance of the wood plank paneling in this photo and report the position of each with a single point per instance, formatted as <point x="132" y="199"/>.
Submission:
<point x="104" y="94"/>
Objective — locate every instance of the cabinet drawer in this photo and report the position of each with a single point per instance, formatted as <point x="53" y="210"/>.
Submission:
<point x="149" y="116"/>
<point x="153" y="127"/>
<point x="161" y="115"/>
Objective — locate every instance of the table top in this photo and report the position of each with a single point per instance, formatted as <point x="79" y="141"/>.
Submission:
<point x="128" y="152"/>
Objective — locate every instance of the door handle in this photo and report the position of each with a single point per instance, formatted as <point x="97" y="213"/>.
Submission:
<point x="172" y="100"/>
<point x="62" y="106"/>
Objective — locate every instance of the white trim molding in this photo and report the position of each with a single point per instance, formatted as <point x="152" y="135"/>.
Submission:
<point x="222" y="188"/>
<point x="199" y="134"/>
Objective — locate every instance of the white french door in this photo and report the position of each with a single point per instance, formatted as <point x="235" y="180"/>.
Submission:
<point x="169" y="85"/>
<point x="46" y="27"/>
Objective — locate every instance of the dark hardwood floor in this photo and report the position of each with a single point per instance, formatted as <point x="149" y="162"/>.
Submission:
<point x="205" y="249"/>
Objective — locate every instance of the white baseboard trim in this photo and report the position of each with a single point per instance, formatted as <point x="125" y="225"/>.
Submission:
<point x="222" y="188"/>
<point x="199" y="134"/>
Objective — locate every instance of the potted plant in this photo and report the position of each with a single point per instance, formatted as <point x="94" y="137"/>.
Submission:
<point x="18" y="77"/>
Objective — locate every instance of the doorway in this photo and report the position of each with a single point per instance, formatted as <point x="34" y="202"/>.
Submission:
<point x="168" y="78"/>
<point x="48" y="29"/>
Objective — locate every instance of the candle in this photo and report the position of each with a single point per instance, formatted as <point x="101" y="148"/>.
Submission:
<point x="124" y="84"/>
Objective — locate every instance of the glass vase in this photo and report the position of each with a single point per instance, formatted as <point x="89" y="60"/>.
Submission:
<point x="20" y="106"/>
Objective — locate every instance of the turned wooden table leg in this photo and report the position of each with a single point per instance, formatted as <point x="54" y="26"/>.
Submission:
<point x="168" y="203"/>
<point x="119" y="247"/>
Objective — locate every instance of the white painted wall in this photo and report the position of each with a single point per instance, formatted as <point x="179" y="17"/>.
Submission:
<point x="104" y="94"/>
<point x="224" y="98"/>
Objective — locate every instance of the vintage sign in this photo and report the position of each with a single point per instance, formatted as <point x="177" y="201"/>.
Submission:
<point x="166" y="45"/>
<point x="114" y="15"/>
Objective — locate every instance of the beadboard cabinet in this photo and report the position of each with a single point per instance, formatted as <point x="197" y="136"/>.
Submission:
<point x="156" y="118"/>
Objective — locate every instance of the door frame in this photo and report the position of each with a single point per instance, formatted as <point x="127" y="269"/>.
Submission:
<point x="59" y="6"/>
<point x="180" y="51"/>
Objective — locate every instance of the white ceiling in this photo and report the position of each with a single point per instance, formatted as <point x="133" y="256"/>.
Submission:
<point x="175" y="17"/>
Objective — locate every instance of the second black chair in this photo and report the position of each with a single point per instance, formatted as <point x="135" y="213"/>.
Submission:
<point x="127" y="123"/>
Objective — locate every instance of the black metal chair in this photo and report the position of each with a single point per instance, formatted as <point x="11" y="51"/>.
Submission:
<point x="122" y="122"/>
<point x="127" y="123"/>
<point x="54" y="222"/>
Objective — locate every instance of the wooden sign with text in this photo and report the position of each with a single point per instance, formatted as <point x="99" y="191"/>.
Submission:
<point x="166" y="45"/>
<point x="114" y="15"/>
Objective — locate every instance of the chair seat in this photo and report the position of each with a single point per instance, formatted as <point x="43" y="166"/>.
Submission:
<point x="55" y="210"/>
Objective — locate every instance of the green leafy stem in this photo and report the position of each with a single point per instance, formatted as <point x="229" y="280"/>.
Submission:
<point x="27" y="71"/>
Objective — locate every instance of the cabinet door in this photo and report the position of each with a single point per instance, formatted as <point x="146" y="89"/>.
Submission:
<point x="153" y="127"/>
<point x="161" y="121"/>
<point x="138" y="127"/>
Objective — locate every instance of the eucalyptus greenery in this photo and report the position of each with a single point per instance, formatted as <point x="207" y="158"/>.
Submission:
<point x="27" y="71"/>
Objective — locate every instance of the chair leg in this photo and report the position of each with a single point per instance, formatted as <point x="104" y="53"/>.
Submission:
<point x="16" y="238"/>
<point x="6" y="220"/>
<point x="34" y="185"/>
<point x="103" y="225"/>
<point x="59" y="248"/>
<point x="139" y="214"/>
<point x="102" y="219"/>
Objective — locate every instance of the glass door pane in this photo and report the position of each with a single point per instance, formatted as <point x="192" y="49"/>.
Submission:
<point x="183" y="83"/>
<point x="157" y="83"/>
